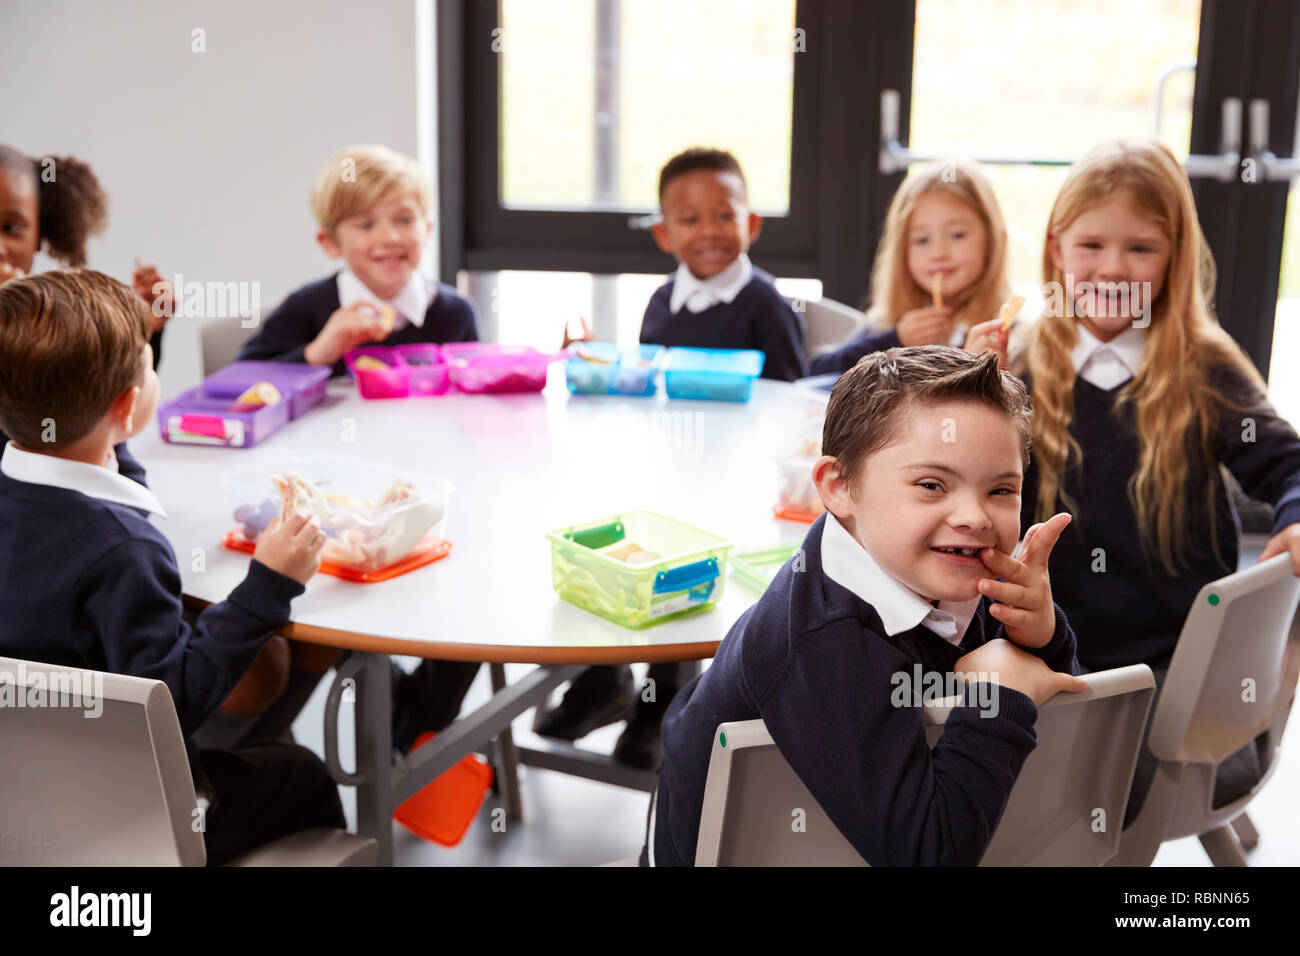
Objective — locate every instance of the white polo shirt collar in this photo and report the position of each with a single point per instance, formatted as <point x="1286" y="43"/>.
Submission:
<point x="93" y="481"/>
<point x="846" y="562"/>
<point x="410" y="303"/>
<point x="1108" y="364"/>
<point x="700" y="294"/>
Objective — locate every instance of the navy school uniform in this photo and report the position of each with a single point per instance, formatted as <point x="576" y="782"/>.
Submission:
<point x="297" y="321"/>
<point x="89" y="582"/>
<point x="813" y="660"/>
<point x="127" y="465"/>
<point x="757" y="318"/>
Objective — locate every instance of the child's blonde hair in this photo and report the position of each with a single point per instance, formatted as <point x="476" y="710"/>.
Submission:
<point x="1172" y="393"/>
<point x="355" y="178"/>
<point x="894" y="291"/>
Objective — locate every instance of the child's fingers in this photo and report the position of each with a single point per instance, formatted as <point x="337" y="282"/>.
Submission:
<point x="1007" y="592"/>
<point x="1002" y="564"/>
<point x="1013" y="617"/>
<point x="1038" y="550"/>
<point x="1069" y="683"/>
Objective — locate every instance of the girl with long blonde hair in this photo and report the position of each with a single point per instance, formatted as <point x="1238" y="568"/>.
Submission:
<point x="1140" y="401"/>
<point x="944" y="233"/>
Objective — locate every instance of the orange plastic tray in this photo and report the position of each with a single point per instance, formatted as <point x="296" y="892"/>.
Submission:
<point x="444" y="809"/>
<point x="426" y="553"/>
<point x="790" y="514"/>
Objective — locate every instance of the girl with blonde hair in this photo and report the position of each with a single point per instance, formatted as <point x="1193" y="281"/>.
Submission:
<point x="944" y="241"/>
<point x="1140" y="401"/>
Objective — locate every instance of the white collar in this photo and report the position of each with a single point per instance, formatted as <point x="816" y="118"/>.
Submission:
<point x="410" y="303"/>
<point x="1123" y="353"/>
<point x="699" y="294"/>
<point x="846" y="562"/>
<point x="94" y="481"/>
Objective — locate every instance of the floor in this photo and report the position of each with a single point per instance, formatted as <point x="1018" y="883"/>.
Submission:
<point x="559" y="810"/>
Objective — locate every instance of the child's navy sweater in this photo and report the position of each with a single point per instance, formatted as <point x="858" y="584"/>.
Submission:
<point x="91" y="583"/>
<point x="1133" y="611"/>
<point x="757" y="318"/>
<point x="297" y="321"/>
<point x="812" y="660"/>
<point x="866" y="341"/>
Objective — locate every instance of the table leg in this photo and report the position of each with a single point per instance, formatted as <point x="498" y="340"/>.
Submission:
<point x="507" y="756"/>
<point x="374" y="743"/>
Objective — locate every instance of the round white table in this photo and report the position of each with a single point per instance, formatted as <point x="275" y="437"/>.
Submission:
<point x="521" y="465"/>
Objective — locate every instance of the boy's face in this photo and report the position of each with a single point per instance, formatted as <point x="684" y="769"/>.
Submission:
<point x="19" y="233"/>
<point x="952" y="480"/>
<point x="1109" y="247"/>
<point x="945" y="238"/>
<point x="706" y="221"/>
<point x="382" y="245"/>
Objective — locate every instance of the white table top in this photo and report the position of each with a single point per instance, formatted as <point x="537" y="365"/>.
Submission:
<point x="522" y="465"/>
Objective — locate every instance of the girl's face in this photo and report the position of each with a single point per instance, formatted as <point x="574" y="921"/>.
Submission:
<point x="1114" y="259"/>
<point x="19" y="236"/>
<point x="945" y="238"/>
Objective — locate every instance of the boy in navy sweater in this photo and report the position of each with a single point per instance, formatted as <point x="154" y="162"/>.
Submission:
<point x="716" y="299"/>
<point x="372" y="204"/>
<point x="89" y="582"/>
<point x="924" y="453"/>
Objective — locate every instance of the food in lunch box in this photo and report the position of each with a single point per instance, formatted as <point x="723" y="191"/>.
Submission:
<point x="362" y="533"/>
<point x="1009" y="310"/>
<point x="256" y="396"/>
<point x="631" y="553"/>
<point x="368" y="363"/>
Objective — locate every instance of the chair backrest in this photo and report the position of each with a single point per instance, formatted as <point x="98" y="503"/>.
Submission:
<point x="219" y="340"/>
<point x="93" y="771"/>
<point x="1083" y="763"/>
<point x="1232" y="678"/>
<point x="828" y="323"/>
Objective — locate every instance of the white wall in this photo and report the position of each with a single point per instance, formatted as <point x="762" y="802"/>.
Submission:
<point x="208" y="157"/>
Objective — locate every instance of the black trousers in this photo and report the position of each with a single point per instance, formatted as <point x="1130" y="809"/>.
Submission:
<point x="264" y="791"/>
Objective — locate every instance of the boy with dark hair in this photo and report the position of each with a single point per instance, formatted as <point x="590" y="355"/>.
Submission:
<point x="924" y="454"/>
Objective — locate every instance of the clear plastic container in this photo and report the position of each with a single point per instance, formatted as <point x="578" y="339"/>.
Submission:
<point x="797" y="498"/>
<point x="413" y="370"/>
<point x="602" y="368"/>
<point x="638" y="568"/>
<point x="482" y="367"/>
<point x="375" y="515"/>
<point x="725" y="375"/>
<point x="209" y="414"/>
<point x="757" y="567"/>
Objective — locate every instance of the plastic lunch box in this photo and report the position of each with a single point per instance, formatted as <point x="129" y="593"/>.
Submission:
<point x="719" y="374"/>
<point x="207" y="415"/>
<point x="758" y="567"/>
<point x="797" y="497"/>
<point x="482" y="367"/>
<point x="688" y="575"/>
<point x="413" y="370"/>
<point x="602" y="368"/>
<point x="362" y="540"/>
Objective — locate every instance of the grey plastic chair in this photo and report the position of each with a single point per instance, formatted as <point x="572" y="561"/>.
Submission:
<point x="828" y="323"/>
<point x="1083" y="763"/>
<point x="1231" y="679"/>
<point x="98" y="776"/>
<point x="219" y="341"/>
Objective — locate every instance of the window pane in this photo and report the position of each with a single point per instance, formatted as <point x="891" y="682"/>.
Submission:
<point x="1055" y="78"/>
<point x="714" y="72"/>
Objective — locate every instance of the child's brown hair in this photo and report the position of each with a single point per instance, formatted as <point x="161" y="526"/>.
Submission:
<point x="72" y="204"/>
<point x="70" y="343"/>
<point x="871" y="401"/>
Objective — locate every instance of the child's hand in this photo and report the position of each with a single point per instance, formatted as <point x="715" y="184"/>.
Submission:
<point x="1026" y="595"/>
<point x="8" y="272"/>
<point x="1288" y="539"/>
<point x="156" y="291"/>
<point x="291" y="545"/>
<point x="931" y="325"/>
<point x="584" y="334"/>
<point x="989" y="337"/>
<point x="1002" y="663"/>
<point x="347" y="328"/>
